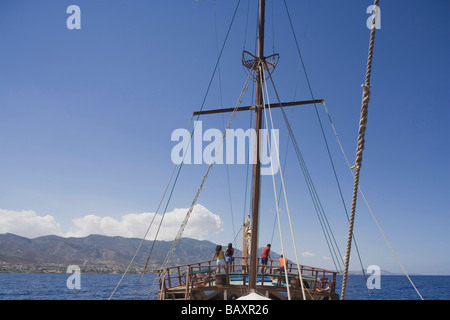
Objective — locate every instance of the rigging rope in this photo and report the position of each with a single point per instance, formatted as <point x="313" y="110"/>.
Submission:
<point x="162" y="218"/>
<point x="313" y="193"/>
<point x="274" y="187"/>
<point x="284" y="168"/>
<point x="246" y="25"/>
<point x="221" y="105"/>
<point x="367" y="204"/>
<point x="145" y="235"/>
<point x="343" y="152"/>
<point x="284" y="190"/>
<point x="173" y="171"/>
<point x="360" y="147"/>
<point x="246" y="178"/>
<point x="323" y="132"/>
<point x="186" y="219"/>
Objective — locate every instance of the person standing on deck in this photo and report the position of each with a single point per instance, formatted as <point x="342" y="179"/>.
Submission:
<point x="283" y="261"/>
<point x="218" y="253"/>
<point x="229" y="257"/>
<point x="265" y="258"/>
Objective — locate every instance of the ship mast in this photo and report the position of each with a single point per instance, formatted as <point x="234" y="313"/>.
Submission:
<point x="257" y="165"/>
<point x="258" y="64"/>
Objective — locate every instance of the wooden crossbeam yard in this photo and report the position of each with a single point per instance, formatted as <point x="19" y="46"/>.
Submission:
<point x="253" y="107"/>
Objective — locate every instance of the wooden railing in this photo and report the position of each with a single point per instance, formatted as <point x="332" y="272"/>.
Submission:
<point x="184" y="276"/>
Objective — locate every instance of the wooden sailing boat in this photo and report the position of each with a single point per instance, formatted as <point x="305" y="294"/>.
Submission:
<point x="202" y="281"/>
<point x="241" y="279"/>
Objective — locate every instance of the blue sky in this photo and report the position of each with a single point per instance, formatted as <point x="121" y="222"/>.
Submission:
<point x="86" y="118"/>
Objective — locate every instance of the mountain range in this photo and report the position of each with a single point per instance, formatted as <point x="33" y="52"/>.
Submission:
<point x="96" y="253"/>
<point x="99" y="253"/>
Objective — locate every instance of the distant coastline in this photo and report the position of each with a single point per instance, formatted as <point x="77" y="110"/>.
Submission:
<point x="5" y="268"/>
<point x="62" y="268"/>
<point x="100" y="254"/>
<point x="93" y="254"/>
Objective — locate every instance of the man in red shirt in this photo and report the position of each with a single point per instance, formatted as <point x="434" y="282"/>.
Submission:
<point x="264" y="258"/>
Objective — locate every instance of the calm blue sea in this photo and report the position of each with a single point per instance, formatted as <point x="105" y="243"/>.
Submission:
<point x="41" y="286"/>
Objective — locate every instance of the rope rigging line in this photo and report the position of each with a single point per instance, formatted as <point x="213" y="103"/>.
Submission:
<point x="323" y="132"/>
<point x="165" y="209"/>
<point x="323" y="220"/>
<point x="273" y="28"/>
<point x="360" y="190"/>
<point x="246" y="178"/>
<point x="325" y="225"/>
<point x="221" y="105"/>
<point x="284" y="189"/>
<point x="310" y="184"/>
<point x="173" y="171"/>
<point x="360" y="147"/>
<point x="246" y="24"/>
<point x="367" y="204"/>
<point x="186" y="219"/>
<point x="220" y="55"/>
<point x="245" y="213"/>
<point x="284" y="168"/>
<point x="146" y="232"/>
<point x="275" y="192"/>
<point x="164" y="214"/>
<point x="202" y="106"/>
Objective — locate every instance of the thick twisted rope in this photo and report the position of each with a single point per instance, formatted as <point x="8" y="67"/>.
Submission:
<point x="360" y="147"/>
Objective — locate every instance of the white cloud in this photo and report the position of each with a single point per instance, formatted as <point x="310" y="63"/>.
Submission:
<point x="203" y="224"/>
<point x="27" y="223"/>
<point x="308" y="254"/>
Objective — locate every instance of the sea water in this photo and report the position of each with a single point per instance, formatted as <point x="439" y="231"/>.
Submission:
<point x="92" y="286"/>
<point x="53" y="286"/>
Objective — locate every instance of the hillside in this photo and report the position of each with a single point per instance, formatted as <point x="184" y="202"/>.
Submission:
<point x="94" y="253"/>
<point x="97" y="253"/>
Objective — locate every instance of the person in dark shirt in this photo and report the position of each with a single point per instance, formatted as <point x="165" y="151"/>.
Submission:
<point x="229" y="257"/>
